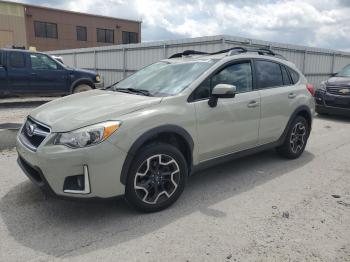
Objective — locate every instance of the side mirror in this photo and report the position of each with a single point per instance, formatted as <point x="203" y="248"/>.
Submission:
<point x="333" y="74"/>
<point x="221" y="91"/>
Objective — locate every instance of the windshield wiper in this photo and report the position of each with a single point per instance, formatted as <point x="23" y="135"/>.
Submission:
<point x="133" y="90"/>
<point x="110" y="86"/>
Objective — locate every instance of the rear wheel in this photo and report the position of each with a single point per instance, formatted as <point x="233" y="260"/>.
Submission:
<point x="81" y="88"/>
<point x="296" y="139"/>
<point x="157" y="177"/>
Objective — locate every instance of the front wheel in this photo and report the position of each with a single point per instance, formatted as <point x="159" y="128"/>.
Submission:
<point x="157" y="177"/>
<point x="296" y="139"/>
<point x="81" y="88"/>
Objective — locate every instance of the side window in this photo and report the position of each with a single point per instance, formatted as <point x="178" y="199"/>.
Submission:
<point x="239" y="75"/>
<point x="285" y="76"/>
<point x="294" y="75"/>
<point x="17" y="60"/>
<point x="40" y="62"/>
<point x="268" y="74"/>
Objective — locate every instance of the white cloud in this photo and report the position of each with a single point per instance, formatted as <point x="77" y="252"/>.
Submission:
<point x="323" y="23"/>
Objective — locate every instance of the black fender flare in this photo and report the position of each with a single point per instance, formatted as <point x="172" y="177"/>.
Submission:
<point x="296" y="112"/>
<point x="83" y="80"/>
<point x="149" y="135"/>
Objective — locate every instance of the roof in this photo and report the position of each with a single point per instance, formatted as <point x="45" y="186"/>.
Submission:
<point x="68" y="11"/>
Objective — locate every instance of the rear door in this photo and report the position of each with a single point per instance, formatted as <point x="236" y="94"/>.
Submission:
<point x="47" y="76"/>
<point x="18" y="72"/>
<point x="277" y="99"/>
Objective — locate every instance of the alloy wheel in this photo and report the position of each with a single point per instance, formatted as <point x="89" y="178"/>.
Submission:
<point x="298" y="137"/>
<point x="157" y="179"/>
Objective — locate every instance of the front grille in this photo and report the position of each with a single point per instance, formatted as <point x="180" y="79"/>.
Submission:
<point x="339" y="90"/>
<point x="34" y="133"/>
<point x="335" y="104"/>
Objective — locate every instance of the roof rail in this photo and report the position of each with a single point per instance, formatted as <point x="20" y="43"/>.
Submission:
<point x="265" y="51"/>
<point x="188" y="52"/>
<point x="260" y="51"/>
<point x="230" y="51"/>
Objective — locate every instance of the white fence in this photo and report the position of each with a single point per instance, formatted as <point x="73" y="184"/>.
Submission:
<point x="116" y="62"/>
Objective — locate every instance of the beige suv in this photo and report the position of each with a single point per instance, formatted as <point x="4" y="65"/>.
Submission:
<point x="142" y="137"/>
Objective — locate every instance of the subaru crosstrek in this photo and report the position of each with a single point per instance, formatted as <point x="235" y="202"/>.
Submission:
<point x="144" y="136"/>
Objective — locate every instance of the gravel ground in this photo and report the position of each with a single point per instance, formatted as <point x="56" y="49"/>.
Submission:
<point x="14" y="115"/>
<point x="15" y="110"/>
<point x="259" y="208"/>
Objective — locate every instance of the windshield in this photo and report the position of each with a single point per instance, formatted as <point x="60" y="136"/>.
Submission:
<point x="345" y="72"/>
<point x="164" y="78"/>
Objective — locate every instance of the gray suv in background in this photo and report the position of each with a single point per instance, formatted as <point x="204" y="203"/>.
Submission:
<point x="333" y="96"/>
<point x="144" y="136"/>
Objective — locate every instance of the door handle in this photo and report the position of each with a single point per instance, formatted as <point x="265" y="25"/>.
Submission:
<point x="253" y="104"/>
<point x="291" y="95"/>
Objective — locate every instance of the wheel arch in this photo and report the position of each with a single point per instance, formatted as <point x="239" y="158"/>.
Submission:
<point x="171" y="134"/>
<point x="80" y="81"/>
<point x="303" y="111"/>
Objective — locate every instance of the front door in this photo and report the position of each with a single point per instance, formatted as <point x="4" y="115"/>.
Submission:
<point x="233" y="125"/>
<point x="47" y="76"/>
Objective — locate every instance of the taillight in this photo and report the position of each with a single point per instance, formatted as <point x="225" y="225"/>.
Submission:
<point x="311" y="89"/>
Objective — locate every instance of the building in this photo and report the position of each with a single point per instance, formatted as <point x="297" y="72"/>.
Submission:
<point x="46" y="29"/>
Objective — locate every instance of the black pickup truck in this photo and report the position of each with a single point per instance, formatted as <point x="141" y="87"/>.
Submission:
<point x="32" y="73"/>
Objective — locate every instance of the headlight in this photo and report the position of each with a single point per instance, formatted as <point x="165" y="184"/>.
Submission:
<point x="87" y="136"/>
<point x="98" y="78"/>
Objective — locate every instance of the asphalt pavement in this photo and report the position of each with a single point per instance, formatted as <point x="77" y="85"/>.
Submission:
<point x="259" y="208"/>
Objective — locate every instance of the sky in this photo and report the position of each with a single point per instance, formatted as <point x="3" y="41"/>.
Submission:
<point x="319" y="23"/>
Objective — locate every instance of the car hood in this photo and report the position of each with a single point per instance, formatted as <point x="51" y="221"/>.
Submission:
<point x="85" y="71"/>
<point x="337" y="80"/>
<point x="87" y="108"/>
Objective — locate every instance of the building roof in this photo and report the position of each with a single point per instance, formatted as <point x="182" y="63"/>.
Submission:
<point x="68" y="11"/>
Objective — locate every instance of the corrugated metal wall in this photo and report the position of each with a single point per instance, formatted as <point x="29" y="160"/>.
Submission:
<point x="12" y="25"/>
<point x="116" y="62"/>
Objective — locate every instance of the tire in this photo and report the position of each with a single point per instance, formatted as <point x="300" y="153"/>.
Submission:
<point x="152" y="187"/>
<point x="296" y="139"/>
<point x="82" y="88"/>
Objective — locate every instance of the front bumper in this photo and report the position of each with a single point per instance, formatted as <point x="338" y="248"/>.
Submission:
<point x="50" y="165"/>
<point x="327" y="103"/>
<point x="99" y="85"/>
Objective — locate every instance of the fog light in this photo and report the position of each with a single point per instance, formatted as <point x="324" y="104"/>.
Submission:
<point x="78" y="184"/>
